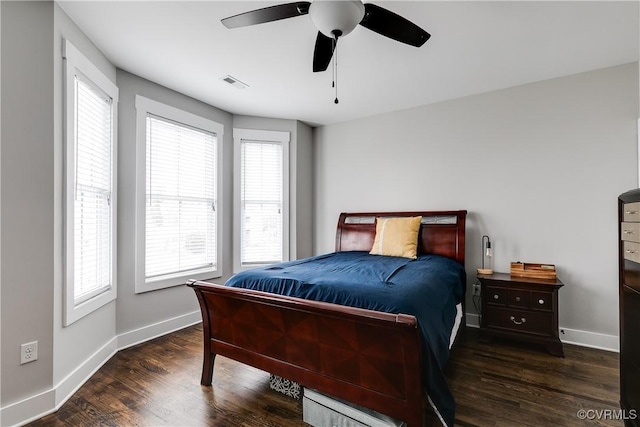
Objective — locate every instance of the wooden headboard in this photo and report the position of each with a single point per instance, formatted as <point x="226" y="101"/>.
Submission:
<point x="441" y="232"/>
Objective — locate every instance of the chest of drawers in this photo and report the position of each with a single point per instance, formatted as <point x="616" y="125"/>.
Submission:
<point x="520" y="308"/>
<point x="629" y="294"/>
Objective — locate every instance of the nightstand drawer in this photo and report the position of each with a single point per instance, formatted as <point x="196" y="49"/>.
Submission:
<point x="542" y="301"/>
<point x="630" y="231"/>
<point x="496" y="296"/>
<point x="632" y="251"/>
<point x="518" y="298"/>
<point x="519" y="320"/>
<point x="631" y="212"/>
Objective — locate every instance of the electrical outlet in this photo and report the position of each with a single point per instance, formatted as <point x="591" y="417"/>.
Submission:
<point x="476" y="288"/>
<point x="29" y="352"/>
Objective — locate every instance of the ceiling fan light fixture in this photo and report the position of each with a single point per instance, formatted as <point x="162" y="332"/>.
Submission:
<point x="331" y="15"/>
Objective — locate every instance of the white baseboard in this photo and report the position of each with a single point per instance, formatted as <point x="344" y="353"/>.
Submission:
<point x="72" y="382"/>
<point x="571" y="336"/>
<point x="149" y="332"/>
<point x="590" y="339"/>
<point x="22" y="412"/>
<point x="473" y="320"/>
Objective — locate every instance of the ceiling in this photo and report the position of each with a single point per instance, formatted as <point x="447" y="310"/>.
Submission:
<point x="475" y="47"/>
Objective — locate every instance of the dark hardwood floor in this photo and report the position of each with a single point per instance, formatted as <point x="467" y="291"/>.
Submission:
<point x="504" y="383"/>
<point x="499" y="384"/>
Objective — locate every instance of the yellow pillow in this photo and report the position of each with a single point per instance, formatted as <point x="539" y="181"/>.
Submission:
<point x="397" y="237"/>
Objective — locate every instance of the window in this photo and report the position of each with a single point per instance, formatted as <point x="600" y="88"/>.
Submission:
<point x="261" y="194"/>
<point x="178" y="222"/>
<point x="90" y="186"/>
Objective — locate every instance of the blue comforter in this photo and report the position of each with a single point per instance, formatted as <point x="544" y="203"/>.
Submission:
<point x="428" y="288"/>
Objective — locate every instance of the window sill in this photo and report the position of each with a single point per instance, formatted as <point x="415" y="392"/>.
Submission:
<point x="172" y="280"/>
<point x="74" y="312"/>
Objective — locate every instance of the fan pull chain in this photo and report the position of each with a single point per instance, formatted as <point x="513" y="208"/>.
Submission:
<point x="335" y="69"/>
<point x="333" y="66"/>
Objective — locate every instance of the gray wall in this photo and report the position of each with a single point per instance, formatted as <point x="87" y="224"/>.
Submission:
<point x="0" y="218"/>
<point x="538" y="167"/>
<point x="31" y="216"/>
<point x="133" y="310"/>
<point x="27" y="213"/>
<point x="77" y="342"/>
<point x="304" y="191"/>
<point x="31" y="228"/>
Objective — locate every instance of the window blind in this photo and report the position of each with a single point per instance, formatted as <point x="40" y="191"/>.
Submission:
<point x="261" y="199"/>
<point x="92" y="198"/>
<point x="180" y="227"/>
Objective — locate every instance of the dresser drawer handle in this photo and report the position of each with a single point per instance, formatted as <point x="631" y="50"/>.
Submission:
<point x="517" y="299"/>
<point x="522" y="320"/>
<point x="629" y="251"/>
<point x="541" y="301"/>
<point x="631" y="212"/>
<point x="629" y="232"/>
<point x="495" y="296"/>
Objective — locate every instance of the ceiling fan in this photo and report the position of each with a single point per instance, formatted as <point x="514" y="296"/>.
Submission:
<point x="336" y="19"/>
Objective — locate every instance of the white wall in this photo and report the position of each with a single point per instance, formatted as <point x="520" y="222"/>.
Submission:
<point x="539" y="168"/>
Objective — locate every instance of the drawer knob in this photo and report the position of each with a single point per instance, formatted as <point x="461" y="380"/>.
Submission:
<point x="631" y="212"/>
<point x="540" y="301"/>
<point x="495" y="296"/>
<point x="628" y="232"/>
<point x="629" y="251"/>
<point x="518" y="299"/>
<point x="522" y="320"/>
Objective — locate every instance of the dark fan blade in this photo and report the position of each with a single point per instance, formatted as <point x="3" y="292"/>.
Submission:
<point x="323" y="52"/>
<point x="387" y="23"/>
<point x="267" y="14"/>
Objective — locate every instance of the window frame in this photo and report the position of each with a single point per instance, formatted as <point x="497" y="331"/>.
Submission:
<point x="145" y="107"/>
<point x="283" y="138"/>
<point x="77" y="63"/>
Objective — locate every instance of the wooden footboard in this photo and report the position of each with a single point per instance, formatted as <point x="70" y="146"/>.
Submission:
<point x="369" y="358"/>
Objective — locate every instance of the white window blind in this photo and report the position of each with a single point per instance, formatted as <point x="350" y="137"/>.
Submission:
<point x="92" y="222"/>
<point x="261" y="199"/>
<point x="90" y="189"/>
<point x="181" y="221"/>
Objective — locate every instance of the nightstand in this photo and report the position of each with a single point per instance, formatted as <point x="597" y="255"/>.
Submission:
<point x="520" y="308"/>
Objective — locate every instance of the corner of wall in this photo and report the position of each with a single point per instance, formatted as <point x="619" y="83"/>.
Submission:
<point x="27" y="200"/>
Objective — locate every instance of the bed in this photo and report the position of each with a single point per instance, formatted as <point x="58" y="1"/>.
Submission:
<point x="380" y="360"/>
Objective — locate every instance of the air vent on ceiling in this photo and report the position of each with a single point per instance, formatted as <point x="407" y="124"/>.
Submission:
<point x="234" y="82"/>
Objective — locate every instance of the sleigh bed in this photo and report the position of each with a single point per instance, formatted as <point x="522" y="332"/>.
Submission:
<point x="384" y="361"/>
